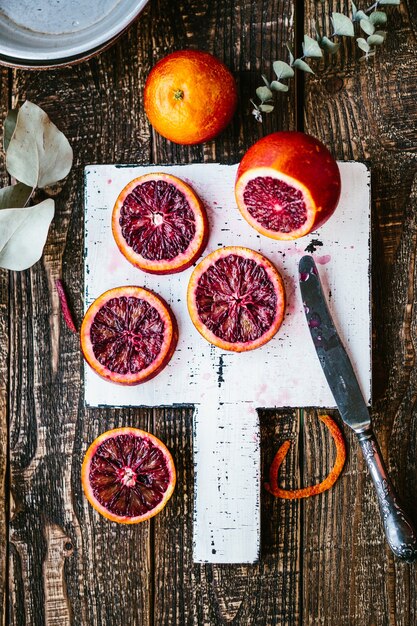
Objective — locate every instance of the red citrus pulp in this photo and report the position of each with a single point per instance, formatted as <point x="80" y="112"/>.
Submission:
<point x="128" y="335"/>
<point x="190" y="96"/>
<point x="236" y="299"/>
<point x="159" y="224"/>
<point x="128" y="475"/>
<point x="287" y="185"/>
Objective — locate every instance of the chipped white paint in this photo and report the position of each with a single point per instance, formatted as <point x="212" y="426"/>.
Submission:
<point x="226" y="388"/>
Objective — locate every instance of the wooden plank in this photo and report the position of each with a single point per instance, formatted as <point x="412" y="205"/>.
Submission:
<point x="68" y="564"/>
<point x="265" y="593"/>
<point x="216" y="594"/>
<point x="358" y="110"/>
<point x="4" y="378"/>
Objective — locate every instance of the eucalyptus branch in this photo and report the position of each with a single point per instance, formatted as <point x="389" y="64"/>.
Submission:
<point x="369" y="21"/>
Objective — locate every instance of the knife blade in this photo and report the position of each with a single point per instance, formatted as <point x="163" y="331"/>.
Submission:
<point x="332" y="355"/>
<point x="341" y="378"/>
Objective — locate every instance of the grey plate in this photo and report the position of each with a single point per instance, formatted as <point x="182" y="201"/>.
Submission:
<point x="51" y="32"/>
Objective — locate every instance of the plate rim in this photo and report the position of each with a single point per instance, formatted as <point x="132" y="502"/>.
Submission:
<point x="57" y="58"/>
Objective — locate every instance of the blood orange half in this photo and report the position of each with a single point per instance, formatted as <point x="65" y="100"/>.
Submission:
<point x="236" y="299"/>
<point x="287" y="185"/>
<point x="128" y="475"/>
<point x="128" y="335"/>
<point x="159" y="224"/>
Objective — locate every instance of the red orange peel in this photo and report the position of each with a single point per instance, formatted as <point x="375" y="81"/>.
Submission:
<point x="324" y="485"/>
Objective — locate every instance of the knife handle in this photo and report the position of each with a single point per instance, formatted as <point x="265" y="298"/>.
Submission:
<point x="399" y="530"/>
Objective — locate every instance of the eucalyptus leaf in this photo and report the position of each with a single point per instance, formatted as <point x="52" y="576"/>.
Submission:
<point x="361" y="15"/>
<point x="266" y="81"/>
<point x="15" y="196"/>
<point x="264" y="94"/>
<point x="367" y="27"/>
<point x="23" y="234"/>
<point x="391" y="2"/>
<point x="9" y="126"/>
<point x="378" y="18"/>
<point x="311" y="48"/>
<point x="375" y="40"/>
<point x="330" y="46"/>
<point x="342" y="25"/>
<point x="303" y="66"/>
<point x="363" y="44"/>
<point x="317" y="31"/>
<point x="282" y="70"/>
<point x="266" y="108"/>
<point x="277" y="86"/>
<point x="38" y="153"/>
<point x="291" y="54"/>
<point x="354" y="9"/>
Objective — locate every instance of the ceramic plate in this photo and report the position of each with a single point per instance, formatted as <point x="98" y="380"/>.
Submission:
<point x="56" y="32"/>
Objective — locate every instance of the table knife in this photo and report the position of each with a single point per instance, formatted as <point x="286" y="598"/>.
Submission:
<point x="399" y="531"/>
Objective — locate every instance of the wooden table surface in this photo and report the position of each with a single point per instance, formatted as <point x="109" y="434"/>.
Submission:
<point x="324" y="560"/>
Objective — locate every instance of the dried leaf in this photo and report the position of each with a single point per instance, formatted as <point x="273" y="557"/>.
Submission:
<point x="9" y="126"/>
<point x="330" y="46"/>
<point x="23" y="234"/>
<point x="363" y="44"/>
<point x="264" y="94"/>
<point x="367" y="27"/>
<point x="38" y="153"/>
<point x="15" y="196"/>
<point x="282" y="70"/>
<point x="342" y="25"/>
<point x="378" y="18"/>
<point x="277" y="86"/>
<point x="311" y="48"/>
<point x="303" y="66"/>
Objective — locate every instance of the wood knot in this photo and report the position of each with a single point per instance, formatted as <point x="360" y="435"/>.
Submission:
<point x="334" y="84"/>
<point x="68" y="548"/>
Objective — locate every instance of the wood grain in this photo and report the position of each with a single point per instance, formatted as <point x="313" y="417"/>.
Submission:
<point x="266" y="593"/>
<point x="4" y="380"/>
<point x="214" y="594"/>
<point x="67" y="562"/>
<point x="359" y="111"/>
<point x="324" y="561"/>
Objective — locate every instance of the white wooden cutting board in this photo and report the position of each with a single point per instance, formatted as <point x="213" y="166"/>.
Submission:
<point x="226" y="388"/>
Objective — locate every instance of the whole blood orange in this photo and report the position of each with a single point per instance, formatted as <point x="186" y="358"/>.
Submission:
<point x="128" y="335"/>
<point x="190" y="96"/>
<point x="236" y="299"/>
<point x="287" y="185"/>
<point x="128" y="475"/>
<point x="159" y="224"/>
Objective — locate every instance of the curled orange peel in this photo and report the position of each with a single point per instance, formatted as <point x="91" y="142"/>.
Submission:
<point x="325" y="484"/>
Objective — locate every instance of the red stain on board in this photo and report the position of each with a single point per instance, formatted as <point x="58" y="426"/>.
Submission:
<point x="322" y="260"/>
<point x="109" y="182"/>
